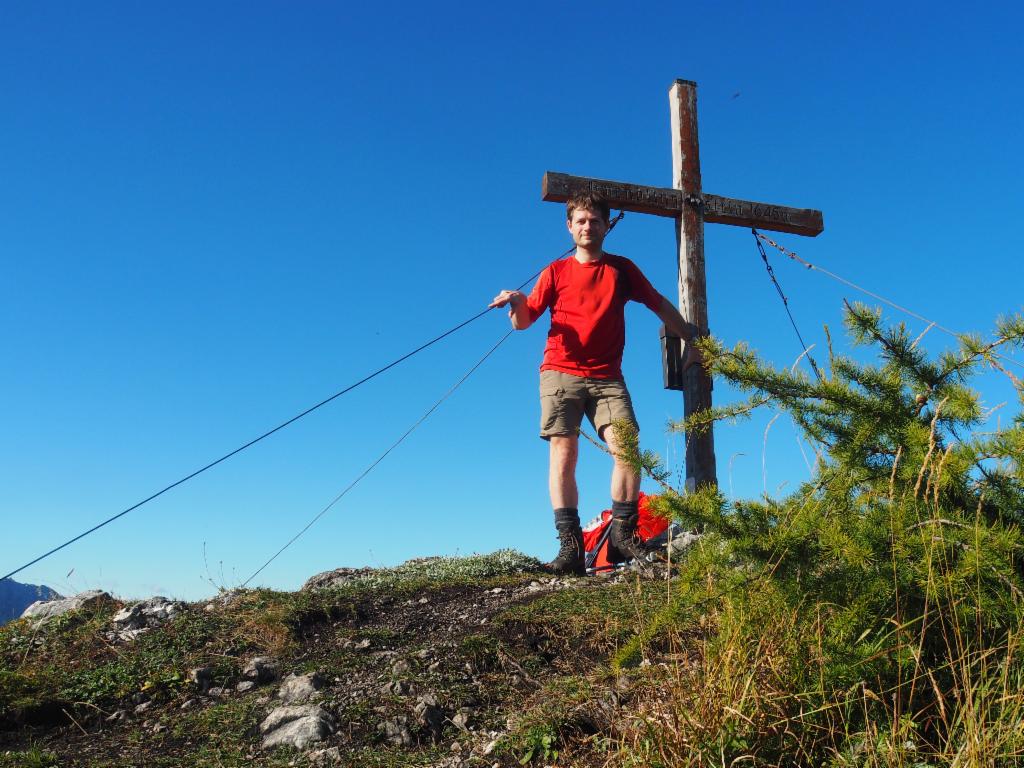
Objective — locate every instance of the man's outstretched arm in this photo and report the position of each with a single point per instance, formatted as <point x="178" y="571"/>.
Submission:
<point x="517" y="309"/>
<point x="675" y="322"/>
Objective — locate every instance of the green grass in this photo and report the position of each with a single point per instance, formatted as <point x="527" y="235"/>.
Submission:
<point x="600" y="619"/>
<point x="30" y="758"/>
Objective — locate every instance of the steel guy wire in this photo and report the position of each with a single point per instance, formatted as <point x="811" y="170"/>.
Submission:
<point x="785" y="303"/>
<point x="380" y="458"/>
<point x="786" y="252"/>
<point x="253" y="442"/>
<point x="284" y="424"/>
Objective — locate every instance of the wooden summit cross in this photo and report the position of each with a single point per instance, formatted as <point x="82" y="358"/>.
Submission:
<point x="690" y="207"/>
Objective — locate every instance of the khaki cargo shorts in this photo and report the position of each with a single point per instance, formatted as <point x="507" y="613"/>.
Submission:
<point x="565" y="398"/>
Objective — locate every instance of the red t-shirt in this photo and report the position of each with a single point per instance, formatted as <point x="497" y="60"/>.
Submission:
<point x="588" y="323"/>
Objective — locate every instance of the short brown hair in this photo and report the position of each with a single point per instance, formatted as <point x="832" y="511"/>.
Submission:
<point x="588" y="200"/>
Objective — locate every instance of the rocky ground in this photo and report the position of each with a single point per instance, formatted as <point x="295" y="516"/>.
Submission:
<point x="479" y="661"/>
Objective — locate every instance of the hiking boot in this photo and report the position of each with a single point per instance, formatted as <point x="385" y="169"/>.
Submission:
<point x="569" y="560"/>
<point x="623" y="537"/>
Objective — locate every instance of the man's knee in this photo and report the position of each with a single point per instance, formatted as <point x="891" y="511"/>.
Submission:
<point x="563" y="450"/>
<point x="618" y="435"/>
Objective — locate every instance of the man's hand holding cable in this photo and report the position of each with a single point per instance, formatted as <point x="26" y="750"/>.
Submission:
<point x="517" y="311"/>
<point x="507" y="297"/>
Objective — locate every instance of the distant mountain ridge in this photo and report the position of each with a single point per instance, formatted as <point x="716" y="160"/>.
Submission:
<point x="16" y="597"/>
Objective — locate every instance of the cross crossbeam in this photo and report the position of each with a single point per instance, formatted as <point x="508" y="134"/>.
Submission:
<point x="664" y="201"/>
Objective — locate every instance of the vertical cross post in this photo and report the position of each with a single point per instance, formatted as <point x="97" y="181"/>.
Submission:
<point x="693" y="302"/>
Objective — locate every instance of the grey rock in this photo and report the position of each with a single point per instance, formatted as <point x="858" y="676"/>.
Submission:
<point x="143" y="707"/>
<point x="147" y="613"/>
<point x="683" y="541"/>
<point x="396" y="731"/>
<point x="44" y="610"/>
<point x="217" y="691"/>
<point x="462" y="717"/>
<point x="337" y="578"/>
<point x="200" y="677"/>
<point x="245" y="685"/>
<point x="226" y="597"/>
<point x="120" y="714"/>
<point x="188" y="704"/>
<point x="261" y="669"/>
<point x="132" y="620"/>
<point x="299" y="688"/>
<point x="454" y="761"/>
<point x="324" y="758"/>
<point x="400" y="667"/>
<point x="124" y="636"/>
<point x="429" y="715"/>
<point x="296" y="726"/>
<point x="396" y="688"/>
<point x="599" y="715"/>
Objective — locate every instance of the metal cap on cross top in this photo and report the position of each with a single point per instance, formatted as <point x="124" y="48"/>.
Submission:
<point x="691" y="208"/>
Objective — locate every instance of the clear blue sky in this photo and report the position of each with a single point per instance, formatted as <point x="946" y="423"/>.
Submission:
<point x="213" y="215"/>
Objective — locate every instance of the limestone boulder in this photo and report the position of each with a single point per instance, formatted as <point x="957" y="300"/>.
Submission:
<point x="261" y="670"/>
<point x="339" y="577"/>
<point x="296" y="726"/>
<point x="44" y="610"/>
<point x="132" y="620"/>
<point x="299" y="688"/>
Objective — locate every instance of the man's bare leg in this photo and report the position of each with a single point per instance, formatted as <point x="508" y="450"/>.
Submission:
<point x="625" y="479"/>
<point x="562" y="471"/>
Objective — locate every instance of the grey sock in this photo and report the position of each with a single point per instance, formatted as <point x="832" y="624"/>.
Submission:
<point x="625" y="510"/>
<point x="567" y="518"/>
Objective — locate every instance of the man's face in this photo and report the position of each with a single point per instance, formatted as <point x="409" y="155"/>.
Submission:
<point x="587" y="228"/>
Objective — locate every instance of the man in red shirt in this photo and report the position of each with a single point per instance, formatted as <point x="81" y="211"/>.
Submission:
<point x="581" y="373"/>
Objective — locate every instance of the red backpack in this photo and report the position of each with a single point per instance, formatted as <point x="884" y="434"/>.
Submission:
<point x="595" y="534"/>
